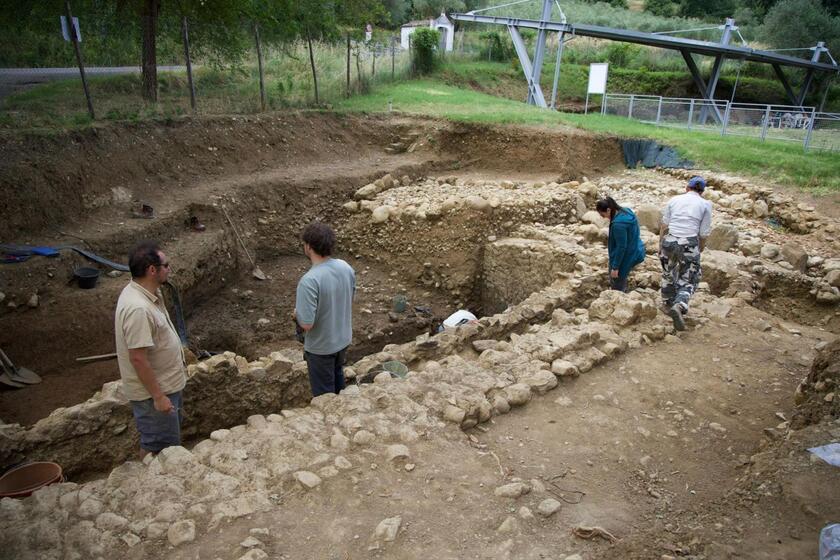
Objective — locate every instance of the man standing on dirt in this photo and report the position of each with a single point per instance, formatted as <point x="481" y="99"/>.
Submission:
<point x="686" y="223"/>
<point x="149" y="352"/>
<point x="324" y="310"/>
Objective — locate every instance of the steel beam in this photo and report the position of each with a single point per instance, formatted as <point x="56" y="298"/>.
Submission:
<point x="561" y="40"/>
<point x="663" y="41"/>
<point x="539" y="50"/>
<point x="728" y="27"/>
<point x="534" y="91"/>
<point x="698" y="81"/>
<point x="782" y="78"/>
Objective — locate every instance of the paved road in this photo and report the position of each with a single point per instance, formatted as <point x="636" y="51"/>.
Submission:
<point x="16" y="79"/>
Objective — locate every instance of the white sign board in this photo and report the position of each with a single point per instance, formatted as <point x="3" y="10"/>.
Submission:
<point x="597" y="78"/>
<point x="65" y="32"/>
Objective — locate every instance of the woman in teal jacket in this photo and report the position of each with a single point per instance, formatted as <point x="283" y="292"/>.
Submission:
<point x="626" y="249"/>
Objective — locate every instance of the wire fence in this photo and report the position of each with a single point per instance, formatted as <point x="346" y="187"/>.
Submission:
<point x="803" y="125"/>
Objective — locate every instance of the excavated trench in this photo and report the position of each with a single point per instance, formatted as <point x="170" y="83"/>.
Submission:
<point x="482" y="239"/>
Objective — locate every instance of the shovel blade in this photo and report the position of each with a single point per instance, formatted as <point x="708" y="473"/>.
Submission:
<point x="27" y="376"/>
<point x="259" y="274"/>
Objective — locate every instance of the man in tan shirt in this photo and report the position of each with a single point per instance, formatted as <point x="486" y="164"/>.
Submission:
<point x="149" y="352"/>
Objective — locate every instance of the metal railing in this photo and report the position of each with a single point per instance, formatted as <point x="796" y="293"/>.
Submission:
<point x="788" y="123"/>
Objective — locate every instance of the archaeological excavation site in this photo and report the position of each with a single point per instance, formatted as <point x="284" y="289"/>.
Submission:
<point x="569" y="421"/>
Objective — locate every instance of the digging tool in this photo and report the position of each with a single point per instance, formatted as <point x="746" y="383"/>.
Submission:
<point x="255" y="270"/>
<point x="99" y="358"/>
<point x="18" y="374"/>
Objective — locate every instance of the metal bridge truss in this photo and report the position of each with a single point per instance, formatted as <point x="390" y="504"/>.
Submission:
<point x="687" y="47"/>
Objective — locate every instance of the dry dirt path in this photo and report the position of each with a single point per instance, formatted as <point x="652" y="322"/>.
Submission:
<point x="644" y="447"/>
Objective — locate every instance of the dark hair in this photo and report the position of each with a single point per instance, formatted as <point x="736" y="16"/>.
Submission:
<point x="320" y="238"/>
<point x="142" y="256"/>
<point x="606" y="204"/>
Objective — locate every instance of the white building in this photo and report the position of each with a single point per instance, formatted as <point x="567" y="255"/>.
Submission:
<point x="441" y="24"/>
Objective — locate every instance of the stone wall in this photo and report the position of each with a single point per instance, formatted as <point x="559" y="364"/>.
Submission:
<point x="433" y="231"/>
<point x="99" y="433"/>
<point x="514" y="268"/>
<point x="180" y="495"/>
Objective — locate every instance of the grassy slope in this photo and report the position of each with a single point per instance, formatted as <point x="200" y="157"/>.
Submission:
<point x="781" y="163"/>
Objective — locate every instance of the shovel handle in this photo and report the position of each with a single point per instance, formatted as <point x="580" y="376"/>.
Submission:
<point x="7" y="362"/>
<point x="233" y="227"/>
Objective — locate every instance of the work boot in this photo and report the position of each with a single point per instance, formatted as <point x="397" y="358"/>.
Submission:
<point x="676" y="314"/>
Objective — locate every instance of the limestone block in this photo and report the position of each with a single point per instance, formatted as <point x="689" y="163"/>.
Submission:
<point x="770" y="251"/>
<point x="380" y="214"/>
<point x="454" y="414"/>
<point x="397" y="452"/>
<point x="181" y="532"/>
<point x="594" y="218"/>
<point x="367" y="192"/>
<point x="388" y="529"/>
<point x="795" y="255"/>
<point x="549" y="507"/>
<point x="540" y="381"/>
<point x="307" y="479"/>
<point x="723" y="237"/>
<point x="517" y="394"/>
<point x="512" y="490"/>
<point x="563" y="368"/>
<point x="649" y="216"/>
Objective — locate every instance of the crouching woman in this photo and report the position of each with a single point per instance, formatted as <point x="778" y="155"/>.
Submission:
<point x="625" y="247"/>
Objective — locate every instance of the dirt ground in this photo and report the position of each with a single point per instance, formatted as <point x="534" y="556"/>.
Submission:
<point x="658" y="447"/>
<point x="273" y="174"/>
<point x="650" y="447"/>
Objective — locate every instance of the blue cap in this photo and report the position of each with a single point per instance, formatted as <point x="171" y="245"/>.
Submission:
<point x="697" y="183"/>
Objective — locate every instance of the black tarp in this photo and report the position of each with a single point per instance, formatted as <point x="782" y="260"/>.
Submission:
<point x="649" y="153"/>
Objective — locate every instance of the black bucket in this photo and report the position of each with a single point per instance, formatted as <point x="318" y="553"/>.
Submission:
<point x="87" y="277"/>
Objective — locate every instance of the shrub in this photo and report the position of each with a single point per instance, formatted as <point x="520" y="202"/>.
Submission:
<point x="495" y="47"/>
<point x="424" y="43"/>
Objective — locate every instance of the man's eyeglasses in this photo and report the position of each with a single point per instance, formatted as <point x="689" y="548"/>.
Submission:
<point x="163" y="265"/>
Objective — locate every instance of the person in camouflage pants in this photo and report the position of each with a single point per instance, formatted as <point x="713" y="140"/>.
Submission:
<point x="686" y="223"/>
<point x="680" y="271"/>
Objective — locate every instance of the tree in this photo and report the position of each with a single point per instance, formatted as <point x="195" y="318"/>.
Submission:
<point x="714" y="10"/>
<point x="433" y="8"/>
<point x="664" y="8"/>
<point x="801" y="23"/>
<point x="424" y="41"/>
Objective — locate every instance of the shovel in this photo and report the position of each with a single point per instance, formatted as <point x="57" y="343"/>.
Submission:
<point x="18" y="376"/>
<point x="255" y="270"/>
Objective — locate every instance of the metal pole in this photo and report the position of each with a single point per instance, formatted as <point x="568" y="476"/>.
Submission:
<point x="659" y="111"/>
<point x="810" y="129"/>
<point x="72" y="31"/>
<point x="557" y="70"/>
<point x="690" y="113"/>
<point x="726" y="115"/>
<point x="586" y="105"/>
<point x="393" y="55"/>
<point x="604" y="104"/>
<point x="765" y="124"/>
<point x="185" y="33"/>
<point x="630" y="107"/>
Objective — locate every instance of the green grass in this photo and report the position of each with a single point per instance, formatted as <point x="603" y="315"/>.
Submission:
<point x="780" y="162"/>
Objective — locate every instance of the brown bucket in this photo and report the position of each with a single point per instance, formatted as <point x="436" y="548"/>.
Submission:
<point x="22" y="481"/>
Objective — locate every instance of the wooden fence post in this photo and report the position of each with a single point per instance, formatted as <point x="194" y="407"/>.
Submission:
<point x="72" y="31"/>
